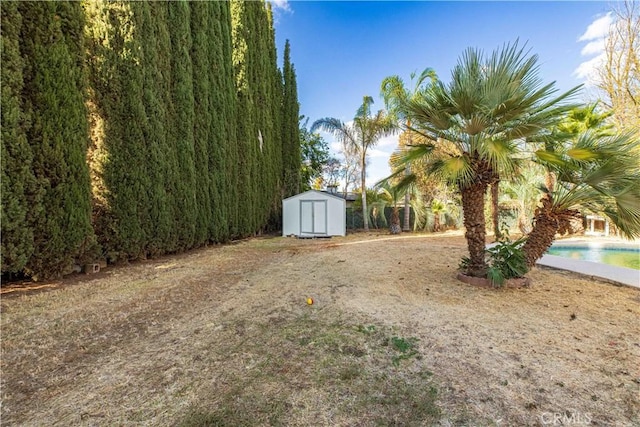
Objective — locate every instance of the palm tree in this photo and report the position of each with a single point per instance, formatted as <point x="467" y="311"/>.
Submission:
<point x="578" y="120"/>
<point x="522" y="195"/>
<point x="495" y="208"/>
<point x="363" y="133"/>
<point x="484" y="115"/>
<point x="376" y="205"/>
<point x="437" y="208"/>
<point x="394" y="93"/>
<point x="584" y="118"/>
<point x="389" y="195"/>
<point x="594" y="171"/>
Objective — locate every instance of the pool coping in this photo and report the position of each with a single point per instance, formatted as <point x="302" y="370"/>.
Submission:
<point x="618" y="275"/>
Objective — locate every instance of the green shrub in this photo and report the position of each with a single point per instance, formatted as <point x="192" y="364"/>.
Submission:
<point x="506" y="261"/>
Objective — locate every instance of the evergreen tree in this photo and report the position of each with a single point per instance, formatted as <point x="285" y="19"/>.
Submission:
<point x="274" y="145"/>
<point x="18" y="195"/>
<point x="247" y="126"/>
<point x="181" y="132"/>
<point x="290" y="131"/>
<point x="117" y="158"/>
<point x="259" y="88"/>
<point x="54" y="83"/>
<point x="185" y="117"/>
<point x="228" y="116"/>
<point x="159" y="156"/>
<point x="202" y="69"/>
<point x="165" y="68"/>
<point x="222" y="113"/>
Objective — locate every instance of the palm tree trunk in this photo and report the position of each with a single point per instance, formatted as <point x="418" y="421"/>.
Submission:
<point x="363" y="189"/>
<point x="549" y="180"/>
<point x="473" y="209"/>
<point x="547" y="222"/>
<point x="436" y="222"/>
<point x="395" y="221"/>
<point x="407" y="197"/>
<point x="495" y="210"/>
<point x="541" y="237"/>
<point x="406" y="226"/>
<point x="524" y="223"/>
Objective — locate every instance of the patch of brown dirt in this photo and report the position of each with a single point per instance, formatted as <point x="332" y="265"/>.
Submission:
<point x="138" y="344"/>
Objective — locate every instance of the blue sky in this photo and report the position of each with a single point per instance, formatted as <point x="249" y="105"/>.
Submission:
<point x="343" y="50"/>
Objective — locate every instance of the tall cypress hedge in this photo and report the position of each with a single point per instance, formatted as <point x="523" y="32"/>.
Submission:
<point x="290" y="129"/>
<point x="158" y="153"/>
<point x="183" y="116"/>
<point x="181" y="121"/>
<point x="200" y="23"/>
<point x="259" y="85"/>
<point x="165" y="136"/>
<point x="246" y="111"/>
<point x="18" y="180"/>
<point x="273" y="122"/>
<point x="222" y="148"/>
<point x="53" y="93"/>
<point x="118" y="156"/>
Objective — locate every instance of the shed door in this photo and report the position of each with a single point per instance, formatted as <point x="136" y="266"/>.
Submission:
<point x="313" y="216"/>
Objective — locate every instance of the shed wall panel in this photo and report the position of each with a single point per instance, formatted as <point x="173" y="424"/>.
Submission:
<point x="313" y="213"/>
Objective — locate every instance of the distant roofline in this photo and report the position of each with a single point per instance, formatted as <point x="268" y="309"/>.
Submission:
<point x="350" y="197"/>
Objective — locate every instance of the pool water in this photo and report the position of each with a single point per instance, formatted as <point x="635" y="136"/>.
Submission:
<point x="620" y="257"/>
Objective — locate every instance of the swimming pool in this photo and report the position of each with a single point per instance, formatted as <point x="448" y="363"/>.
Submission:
<point x="628" y="257"/>
<point x="613" y="273"/>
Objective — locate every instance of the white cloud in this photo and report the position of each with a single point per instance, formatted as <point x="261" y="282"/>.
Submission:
<point x="389" y="141"/>
<point x="593" y="51"/>
<point x="595" y="47"/>
<point x="587" y="70"/>
<point x="597" y="29"/>
<point x="281" y="5"/>
<point x="377" y="153"/>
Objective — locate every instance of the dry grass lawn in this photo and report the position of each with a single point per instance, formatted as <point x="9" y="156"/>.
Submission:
<point x="223" y="336"/>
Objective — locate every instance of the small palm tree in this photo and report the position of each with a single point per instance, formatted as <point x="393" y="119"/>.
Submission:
<point x="577" y="120"/>
<point x="362" y="134"/>
<point x="522" y="195"/>
<point x="593" y="171"/>
<point x="585" y="118"/>
<point x="437" y="208"/>
<point x="395" y="93"/>
<point x="388" y="195"/>
<point x="376" y="205"/>
<point x="482" y="117"/>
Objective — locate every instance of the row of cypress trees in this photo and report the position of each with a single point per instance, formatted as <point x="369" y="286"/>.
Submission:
<point x="133" y="129"/>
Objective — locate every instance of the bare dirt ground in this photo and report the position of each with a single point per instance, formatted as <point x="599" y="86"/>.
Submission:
<point x="223" y="336"/>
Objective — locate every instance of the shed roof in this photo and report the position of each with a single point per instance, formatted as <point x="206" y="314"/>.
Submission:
<point x="321" y="193"/>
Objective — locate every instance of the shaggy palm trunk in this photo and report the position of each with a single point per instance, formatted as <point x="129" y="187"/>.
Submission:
<point x="395" y="221"/>
<point x="407" y="198"/>
<point x="547" y="222"/>
<point x="407" y="213"/>
<point x="543" y="233"/>
<point x="407" y="205"/>
<point x="549" y="180"/>
<point x="524" y="224"/>
<point x="363" y="189"/>
<point x="473" y="210"/>
<point x="436" y="221"/>
<point x="495" y="210"/>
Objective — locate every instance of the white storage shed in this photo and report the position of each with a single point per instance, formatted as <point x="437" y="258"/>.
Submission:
<point x="314" y="214"/>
